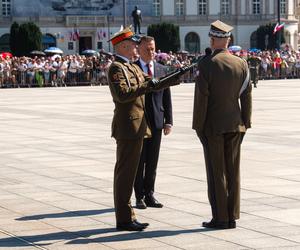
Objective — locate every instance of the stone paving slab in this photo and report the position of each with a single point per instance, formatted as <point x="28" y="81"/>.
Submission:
<point x="56" y="173"/>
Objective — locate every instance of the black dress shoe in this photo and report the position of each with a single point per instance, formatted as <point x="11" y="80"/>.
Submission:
<point x="130" y="226"/>
<point x="216" y="224"/>
<point x="141" y="224"/>
<point x="140" y="204"/>
<point x="232" y="224"/>
<point x="152" y="202"/>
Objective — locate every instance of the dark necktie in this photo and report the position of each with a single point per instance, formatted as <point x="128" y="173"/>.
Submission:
<point x="149" y="72"/>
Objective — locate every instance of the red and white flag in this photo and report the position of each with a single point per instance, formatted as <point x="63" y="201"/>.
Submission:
<point x="100" y="34"/>
<point x="77" y="34"/>
<point x="74" y="37"/>
<point x="71" y="35"/>
<point x="278" y="27"/>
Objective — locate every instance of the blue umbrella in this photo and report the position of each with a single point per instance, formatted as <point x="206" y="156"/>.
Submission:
<point x="235" y="48"/>
<point x="53" y="50"/>
<point x="254" y="50"/>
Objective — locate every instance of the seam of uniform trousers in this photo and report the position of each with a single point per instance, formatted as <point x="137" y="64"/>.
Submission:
<point x="233" y="165"/>
<point x="231" y="162"/>
<point x="211" y="177"/>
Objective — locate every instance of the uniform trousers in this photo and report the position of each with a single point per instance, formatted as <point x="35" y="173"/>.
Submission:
<point x="222" y="160"/>
<point x="254" y="75"/>
<point x="128" y="156"/>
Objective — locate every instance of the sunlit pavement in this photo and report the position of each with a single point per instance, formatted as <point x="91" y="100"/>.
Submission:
<point x="56" y="170"/>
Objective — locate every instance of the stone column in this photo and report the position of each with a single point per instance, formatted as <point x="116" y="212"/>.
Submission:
<point x="290" y="8"/>
<point x="243" y="7"/>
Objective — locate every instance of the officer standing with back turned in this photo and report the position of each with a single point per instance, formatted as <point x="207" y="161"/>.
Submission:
<point x="222" y="114"/>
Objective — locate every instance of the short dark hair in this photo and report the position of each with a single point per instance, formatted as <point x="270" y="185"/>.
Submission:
<point x="147" y="38"/>
<point x="208" y="51"/>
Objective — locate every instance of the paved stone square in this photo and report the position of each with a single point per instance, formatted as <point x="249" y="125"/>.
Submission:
<point x="56" y="172"/>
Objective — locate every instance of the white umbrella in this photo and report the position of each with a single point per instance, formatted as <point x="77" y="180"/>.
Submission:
<point x="235" y="48"/>
<point x="89" y="52"/>
<point x="55" y="56"/>
<point x="53" y="50"/>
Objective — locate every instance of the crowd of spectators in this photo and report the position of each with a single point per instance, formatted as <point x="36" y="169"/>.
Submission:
<point x="54" y="71"/>
<point x="283" y="64"/>
<point x="73" y="70"/>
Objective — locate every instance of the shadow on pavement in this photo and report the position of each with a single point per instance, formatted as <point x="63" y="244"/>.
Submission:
<point x="67" y="214"/>
<point x="138" y="235"/>
<point x="74" y="235"/>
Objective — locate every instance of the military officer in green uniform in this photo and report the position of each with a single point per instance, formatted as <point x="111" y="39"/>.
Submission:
<point x="222" y="114"/>
<point x="128" y="84"/>
<point x="254" y="64"/>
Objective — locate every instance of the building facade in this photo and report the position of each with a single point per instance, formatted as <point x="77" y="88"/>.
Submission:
<point x="75" y="25"/>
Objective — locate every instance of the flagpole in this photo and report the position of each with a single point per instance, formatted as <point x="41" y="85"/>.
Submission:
<point x="278" y="20"/>
<point x="108" y="29"/>
<point x="124" y="13"/>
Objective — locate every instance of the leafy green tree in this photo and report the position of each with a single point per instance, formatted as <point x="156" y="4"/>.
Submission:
<point x="166" y="36"/>
<point x="35" y="39"/>
<point x="14" y="39"/>
<point x="264" y="31"/>
<point x="28" y="38"/>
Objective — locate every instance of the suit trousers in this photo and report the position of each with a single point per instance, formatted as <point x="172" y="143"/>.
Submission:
<point x="146" y="174"/>
<point x="222" y="160"/>
<point x="128" y="156"/>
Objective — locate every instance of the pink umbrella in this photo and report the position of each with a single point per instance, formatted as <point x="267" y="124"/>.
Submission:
<point x="162" y="56"/>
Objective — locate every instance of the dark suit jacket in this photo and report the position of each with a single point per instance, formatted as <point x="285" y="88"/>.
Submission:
<point x="158" y="103"/>
<point x="218" y="106"/>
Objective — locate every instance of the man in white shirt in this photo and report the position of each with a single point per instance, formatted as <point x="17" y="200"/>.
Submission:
<point x="73" y="67"/>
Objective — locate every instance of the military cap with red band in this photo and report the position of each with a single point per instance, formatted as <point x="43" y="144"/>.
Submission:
<point x="124" y="34"/>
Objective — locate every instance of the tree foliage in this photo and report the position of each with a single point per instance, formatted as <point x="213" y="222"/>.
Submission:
<point x="166" y="36"/>
<point x="14" y="39"/>
<point x="25" y="38"/>
<point x="265" y="36"/>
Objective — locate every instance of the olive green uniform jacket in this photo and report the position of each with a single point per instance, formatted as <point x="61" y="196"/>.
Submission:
<point x="218" y="106"/>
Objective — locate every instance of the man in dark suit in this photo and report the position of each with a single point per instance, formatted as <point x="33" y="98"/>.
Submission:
<point x="222" y="114"/>
<point x="128" y="84"/>
<point x="159" y="116"/>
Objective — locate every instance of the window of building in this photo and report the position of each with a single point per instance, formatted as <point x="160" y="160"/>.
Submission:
<point x="283" y="7"/>
<point x="70" y="45"/>
<point x="192" y="42"/>
<point x="156" y="7"/>
<point x="202" y="7"/>
<point x="225" y="7"/>
<point x="99" y="45"/>
<point x="256" y="7"/>
<point x="179" y="7"/>
<point x="6" y="7"/>
<point x="48" y="40"/>
<point x="4" y="43"/>
<point x="253" y="40"/>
